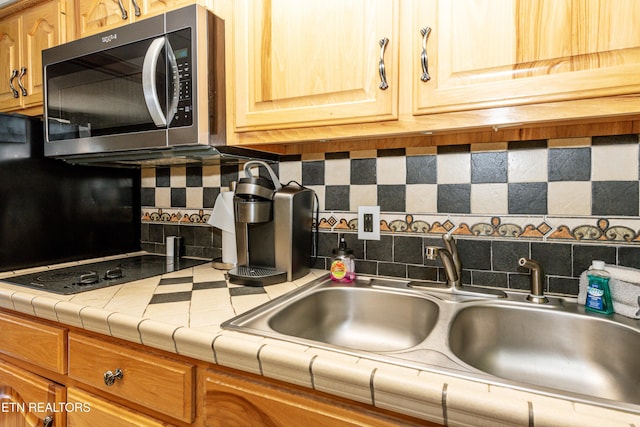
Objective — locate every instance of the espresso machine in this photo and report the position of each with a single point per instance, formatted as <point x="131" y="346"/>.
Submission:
<point x="274" y="229"/>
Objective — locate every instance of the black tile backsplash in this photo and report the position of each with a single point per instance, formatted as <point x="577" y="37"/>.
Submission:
<point x="163" y="177"/>
<point x="528" y="198"/>
<point x="201" y="242"/>
<point x="194" y="176"/>
<point x="492" y="263"/>
<point x="615" y="198"/>
<point x="363" y="171"/>
<point x="489" y="167"/>
<point x="555" y="258"/>
<point x="454" y="198"/>
<point x="313" y="173"/>
<point x="422" y="170"/>
<point x="337" y="197"/>
<point x="507" y="253"/>
<point x="569" y="164"/>
<point x="392" y="198"/>
<point x="178" y="197"/>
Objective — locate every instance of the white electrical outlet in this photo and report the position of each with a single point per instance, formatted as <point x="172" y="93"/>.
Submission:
<point x="369" y="222"/>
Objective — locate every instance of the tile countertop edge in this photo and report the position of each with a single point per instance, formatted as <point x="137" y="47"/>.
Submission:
<point x="421" y="394"/>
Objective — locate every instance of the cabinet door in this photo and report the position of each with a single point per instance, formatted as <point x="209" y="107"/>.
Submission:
<point x="95" y="16"/>
<point x="313" y="62"/>
<point x="41" y="31"/>
<point x="156" y="7"/>
<point x="239" y="401"/>
<point x="9" y="61"/>
<point x="490" y="53"/>
<point x="90" y="410"/>
<point x="29" y="400"/>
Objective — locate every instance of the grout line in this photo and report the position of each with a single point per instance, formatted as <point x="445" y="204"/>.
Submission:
<point x="445" y="416"/>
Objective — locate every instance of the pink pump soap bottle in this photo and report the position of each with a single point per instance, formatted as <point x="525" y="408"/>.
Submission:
<point x="343" y="265"/>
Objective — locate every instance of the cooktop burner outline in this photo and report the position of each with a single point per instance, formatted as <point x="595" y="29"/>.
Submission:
<point x="101" y="274"/>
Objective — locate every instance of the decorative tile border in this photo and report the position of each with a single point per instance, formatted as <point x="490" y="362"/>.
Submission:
<point x="180" y="216"/>
<point x="622" y="230"/>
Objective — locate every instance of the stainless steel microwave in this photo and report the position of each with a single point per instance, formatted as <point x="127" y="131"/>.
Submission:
<point x="151" y="88"/>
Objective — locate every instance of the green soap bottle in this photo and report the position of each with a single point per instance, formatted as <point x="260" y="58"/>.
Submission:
<point x="598" y="292"/>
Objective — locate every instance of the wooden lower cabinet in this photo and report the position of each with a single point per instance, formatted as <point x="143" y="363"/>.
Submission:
<point x="90" y="410"/>
<point x="27" y="399"/>
<point x="153" y="388"/>
<point x="239" y="400"/>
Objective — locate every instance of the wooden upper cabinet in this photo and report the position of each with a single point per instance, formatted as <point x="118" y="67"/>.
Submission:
<point x="313" y="62"/>
<point x="23" y="37"/>
<point x="9" y="61"/>
<point x="509" y="52"/>
<point x="95" y="16"/>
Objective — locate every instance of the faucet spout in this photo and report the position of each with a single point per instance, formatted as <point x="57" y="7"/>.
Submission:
<point x="448" y="262"/>
<point x="451" y="246"/>
<point x="453" y="270"/>
<point x="537" y="281"/>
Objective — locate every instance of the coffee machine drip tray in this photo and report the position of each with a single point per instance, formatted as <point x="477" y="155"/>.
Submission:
<point x="256" y="276"/>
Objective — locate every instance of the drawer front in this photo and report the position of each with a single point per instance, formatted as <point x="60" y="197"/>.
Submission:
<point x="34" y="342"/>
<point x="164" y="385"/>
<point x="93" y="411"/>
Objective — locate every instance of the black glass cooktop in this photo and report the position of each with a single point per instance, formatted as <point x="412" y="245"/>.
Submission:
<point x="96" y="275"/>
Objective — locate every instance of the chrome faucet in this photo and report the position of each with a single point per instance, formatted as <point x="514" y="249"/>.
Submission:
<point x="537" y="281"/>
<point x="453" y="270"/>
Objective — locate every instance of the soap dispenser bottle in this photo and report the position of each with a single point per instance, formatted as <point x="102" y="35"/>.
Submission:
<point x="343" y="265"/>
<point x="598" y="292"/>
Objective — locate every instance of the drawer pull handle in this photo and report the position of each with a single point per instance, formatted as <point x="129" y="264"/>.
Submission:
<point x="48" y="421"/>
<point x="424" y="59"/>
<point x="110" y="377"/>
<point x="383" y="75"/>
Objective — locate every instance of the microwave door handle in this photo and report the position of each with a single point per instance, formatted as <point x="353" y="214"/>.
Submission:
<point x="175" y="78"/>
<point x="149" y="82"/>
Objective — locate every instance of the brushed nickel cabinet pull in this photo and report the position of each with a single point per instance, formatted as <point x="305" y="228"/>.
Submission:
<point x="424" y="59"/>
<point x="47" y="421"/>
<point x="123" y="10"/>
<point x="383" y="75"/>
<point x="14" y="91"/>
<point x="23" y="71"/>
<point x="136" y="8"/>
<point x="110" y="377"/>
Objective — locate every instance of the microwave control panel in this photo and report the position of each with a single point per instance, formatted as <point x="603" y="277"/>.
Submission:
<point x="180" y="41"/>
<point x="183" y="116"/>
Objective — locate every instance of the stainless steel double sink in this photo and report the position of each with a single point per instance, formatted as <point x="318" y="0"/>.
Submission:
<point x="556" y="349"/>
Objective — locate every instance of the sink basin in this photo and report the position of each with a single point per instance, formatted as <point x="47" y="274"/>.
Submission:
<point x="556" y="349"/>
<point x="358" y="318"/>
<point x="563" y="350"/>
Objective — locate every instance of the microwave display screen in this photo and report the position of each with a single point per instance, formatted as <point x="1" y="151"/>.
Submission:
<point x="181" y="53"/>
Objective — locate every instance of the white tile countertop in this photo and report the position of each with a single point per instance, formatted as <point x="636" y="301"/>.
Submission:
<point x="180" y="312"/>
